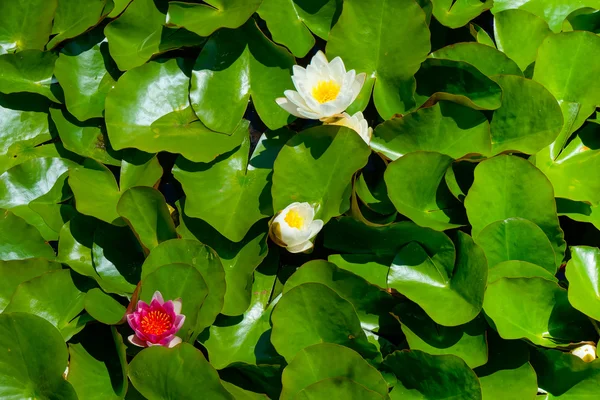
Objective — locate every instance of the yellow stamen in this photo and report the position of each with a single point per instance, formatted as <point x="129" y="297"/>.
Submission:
<point x="326" y="91"/>
<point x="156" y="322"/>
<point x="294" y="219"/>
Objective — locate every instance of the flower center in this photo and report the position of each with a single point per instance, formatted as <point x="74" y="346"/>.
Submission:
<point x="156" y="322"/>
<point x="294" y="219"/>
<point x="326" y="91"/>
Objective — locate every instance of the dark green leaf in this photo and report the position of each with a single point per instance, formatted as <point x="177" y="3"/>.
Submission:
<point x="28" y="71"/>
<point x="19" y="240"/>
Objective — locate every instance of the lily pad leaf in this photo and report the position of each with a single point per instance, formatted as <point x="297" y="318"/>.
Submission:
<point x="417" y="187"/>
<point x="15" y="272"/>
<point x="53" y="296"/>
<point x="295" y="327"/>
<point x="483" y="57"/>
<point x="145" y="210"/>
<point x="103" y="307"/>
<point x="450" y="296"/>
<point x="446" y="127"/>
<point x="159" y="372"/>
<point x="551" y="320"/>
<point x="583" y="271"/>
<point x="316" y="166"/>
<point x="468" y="341"/>
<point x="293" y="22"/>
<point x="26" y="24"/>
<point x="19" y="240"/>
<point x="507" y="187"/>
<point x="424" y="376"/>
<point x="529" y="118"/>
<point x="135" y="36"/>
<point x="516" y="239"/>
<point x="37" y="356"/>
<point x="388" y="41"/>
<point x="28" y="71"/>
<point x="457" y="81"/>
<point x="201" y="257"/>
<point x="511" y="26"/>
<point x="518" y="269"/>
<point x="326" y="361"/>
<point x="457" y="13"/>
<point x="234" y="66"/>
<point x="337" y="386"/>
<point x="86" y="73"/>
<point x="74" y="17"/>
<point x="233" y="208"/>
<point x="206" y="18"/>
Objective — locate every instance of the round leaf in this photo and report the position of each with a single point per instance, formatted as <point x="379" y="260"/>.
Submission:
<point x="518" y="269"/>
<point x="338" y="387"/>
<point x="181" y="372"/>
<point x="103" y="308"/>
<point x="26" y="24"/>
<point x="457" y="13"/>
<point x="485" y="58"/>
<point x="29" y="71"/>
<point x="583" y="273"/>
<point x="19" y="240"/>
<point x="15" y="272"/>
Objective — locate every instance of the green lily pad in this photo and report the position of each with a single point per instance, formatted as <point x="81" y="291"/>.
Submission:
<point x="20" y="128"/>
<point x="86" y="73"/>
<point x="366" y="266"/>
<point x="468" y="341"/>
<point x="234" y="66"/>
<point x="572" y="172"/>
<point x="417" y="187"/>
<point x="351" y="236"/>
<point x="159" y="372"/>
<point x="550" y="321"/>
<point x="97" y="364"/>
<point x="53" y="296"/>
<point x="567" y="65"/>
<point x="36" y="357"/>
<point x="447" y="128"/>
<point x="338" y="386"/>
<point x="516" y="239"/>
<point x="455" y="14"/>
<point x="234" y="207"/>
<point x="583" y="271"/>
<point x="450" y="296"/>
<point x="293" y="22"/>
<point x="135" y="36"/>
<point x="103" y="307"/>
<point x="145" y="210"/>
<point x="373" y="305"/>
<point x="312" y="313"/>
<point x="74" y="17"/>
<point x="325" y="361"/>
<point x="386" y="40"/>
<point x="19" y="240"/>
<point x="508" y="375"/>
<point x="518" y="269"/>
<point x="178" y="281"/>
<point x="245" y="339"/>
<point x="565" y="376"/>
<point x="206" y="18"/>
<point x="456" y="81"/>
<point x="507" y="187"/>
<point x="511" y="26"/>
<point x="316" y="166"/>
<point x="529" y="118"/>
<point x="15" y="272"/>
<point x="202" y="258"/>
<point x="483" y="57"/>
<point x="424" y="376"/>
<point x="87" y="139"/>
<point x="28" y="71"/>
<point x="26" y="24"/>
<point x="554" y="12"/>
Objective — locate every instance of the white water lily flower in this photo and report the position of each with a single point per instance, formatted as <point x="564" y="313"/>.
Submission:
<point x="294" y="227"/>
<point x="356" y="122"/>
<point x="587" y="352"/>
<point x="323" y="89"/>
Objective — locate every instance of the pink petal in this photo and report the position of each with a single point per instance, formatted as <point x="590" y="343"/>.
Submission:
<point x="158" y="297"/>
<point x="135" y="341"/>
<point x="131" y="320"/>
<point x="142" y="306"/>
<point x="178" y="323"/>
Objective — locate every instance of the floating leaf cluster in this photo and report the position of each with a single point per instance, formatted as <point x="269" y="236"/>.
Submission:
<point x="299" y="199"/>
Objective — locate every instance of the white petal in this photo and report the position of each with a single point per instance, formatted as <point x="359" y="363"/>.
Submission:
<point x="288" y="106"/>
<point x="299" y="248"/>
<point x="319" y="60"/>
<point x="177" y="306"/>
<point x="359" y="81"/>
<point x="315" y="228"/>
<point x="135" y="341"/>
<point x="310" y="114"/>
<point x="174" y="342"/>
<point x="337" y="69"/>
<point x="299" y="72"/>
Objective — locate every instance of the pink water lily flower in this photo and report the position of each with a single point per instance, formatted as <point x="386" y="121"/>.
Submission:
<point x="156" y="324"/>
